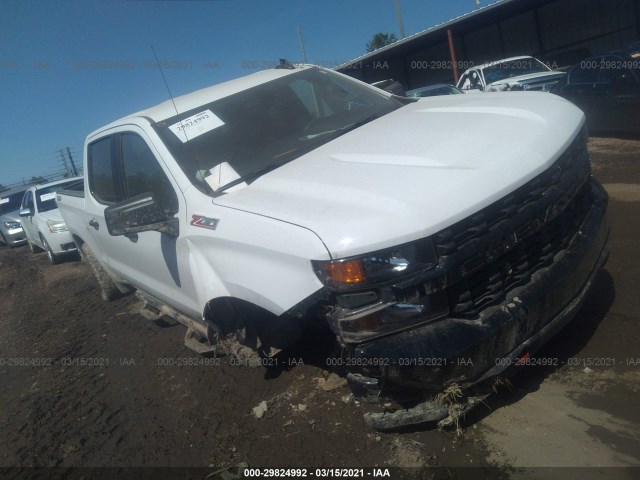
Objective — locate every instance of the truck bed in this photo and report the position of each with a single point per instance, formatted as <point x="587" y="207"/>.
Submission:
<point x="71" y="205"/>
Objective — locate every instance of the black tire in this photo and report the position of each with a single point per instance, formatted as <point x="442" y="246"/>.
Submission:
<point x="109" y="290"/>
<point x="53" y="258"/>
<point x="33" y="247"/>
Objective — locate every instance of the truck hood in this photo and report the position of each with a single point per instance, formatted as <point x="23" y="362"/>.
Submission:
<point x="416" y="170"/>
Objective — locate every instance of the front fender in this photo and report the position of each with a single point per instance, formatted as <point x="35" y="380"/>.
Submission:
<point x="260" y="260"/>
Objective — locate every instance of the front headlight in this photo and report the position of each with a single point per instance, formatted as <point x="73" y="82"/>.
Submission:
<point x="56" y="226"/>
<point x="383" y="318"/>
<point x="12" y="225"/>
<point x="377" y="267"/>
<point x="362" y="310"/>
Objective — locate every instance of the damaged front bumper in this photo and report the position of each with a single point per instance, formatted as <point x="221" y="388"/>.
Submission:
<point x="468" y="349"/>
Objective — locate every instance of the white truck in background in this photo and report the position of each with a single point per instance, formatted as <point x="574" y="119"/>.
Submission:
<point x="299" y="195"/>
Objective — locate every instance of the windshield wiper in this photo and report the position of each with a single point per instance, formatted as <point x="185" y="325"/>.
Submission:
<point x="239" y="180"/>
<point x="342" y="130"/>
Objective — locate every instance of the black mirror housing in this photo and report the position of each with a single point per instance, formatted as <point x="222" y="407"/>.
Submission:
<point x="141" y="213"/>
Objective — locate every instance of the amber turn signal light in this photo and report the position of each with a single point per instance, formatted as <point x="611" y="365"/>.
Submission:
<point x="347" y="272"/>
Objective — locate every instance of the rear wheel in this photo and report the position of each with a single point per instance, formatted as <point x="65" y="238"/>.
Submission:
<point x="53" y="258"/>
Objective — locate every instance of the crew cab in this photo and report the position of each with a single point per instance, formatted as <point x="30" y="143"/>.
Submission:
<point x="42" y="223"/>
<point x="514" y="73"/>
<point x="299" y="195"/>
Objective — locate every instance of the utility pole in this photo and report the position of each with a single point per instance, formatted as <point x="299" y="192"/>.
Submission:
<point x="304" y="52"/>
<point x="64" y="163"/>
<point x="73" y="165"/>
<point x="397" y="2"/>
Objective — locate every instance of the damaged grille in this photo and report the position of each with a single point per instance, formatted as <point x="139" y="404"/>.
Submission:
<point x="499" y="248"/>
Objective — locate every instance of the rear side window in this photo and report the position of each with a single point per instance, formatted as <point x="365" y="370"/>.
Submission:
<point x="142" y="172"/>
<point x="101" y="173"/>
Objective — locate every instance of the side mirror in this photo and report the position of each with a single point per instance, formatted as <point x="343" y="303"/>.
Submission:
<point x="141" y="213"/>
<point x="26" y="212"/>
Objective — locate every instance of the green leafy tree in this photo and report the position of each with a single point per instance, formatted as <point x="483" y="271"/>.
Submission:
<point x="380" y="40"/>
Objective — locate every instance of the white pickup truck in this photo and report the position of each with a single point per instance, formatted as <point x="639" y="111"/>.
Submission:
<point x="440" y="257"/>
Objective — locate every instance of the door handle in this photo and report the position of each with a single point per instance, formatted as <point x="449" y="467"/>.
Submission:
<point x="93" y="222"/>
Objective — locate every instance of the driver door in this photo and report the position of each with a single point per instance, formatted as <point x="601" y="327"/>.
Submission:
<point x="121" y="166"/>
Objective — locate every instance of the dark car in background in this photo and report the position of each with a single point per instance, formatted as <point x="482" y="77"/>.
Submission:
<point x="434" y="90"/>
<point x="607" y="88"/>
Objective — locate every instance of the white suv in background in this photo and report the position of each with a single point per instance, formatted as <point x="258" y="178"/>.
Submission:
<point x="515" y="73"/>
<point x="41" y="221"/>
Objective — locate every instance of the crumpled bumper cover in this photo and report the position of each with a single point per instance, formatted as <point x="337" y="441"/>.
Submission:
<point x="466" y="352"/>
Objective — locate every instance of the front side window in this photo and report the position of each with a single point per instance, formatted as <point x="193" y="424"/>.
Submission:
<point x="27" y="201"/>
<point x="142" y="172"/>
<point x="123" y="166"/>
<point x="264" y="127"/>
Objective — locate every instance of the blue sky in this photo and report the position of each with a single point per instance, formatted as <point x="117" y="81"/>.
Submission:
<point x="68" y="67"/>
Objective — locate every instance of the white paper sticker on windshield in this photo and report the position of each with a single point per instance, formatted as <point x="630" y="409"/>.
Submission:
<point x="196" y="125"/>
<point x="4" y="200"/>
<point x="47" y="196"/>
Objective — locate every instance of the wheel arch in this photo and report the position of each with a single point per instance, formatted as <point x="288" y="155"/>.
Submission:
<point x="256" y="325"/>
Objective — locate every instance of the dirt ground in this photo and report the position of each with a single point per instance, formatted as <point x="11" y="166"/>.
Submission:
<point x="85" y="383"/>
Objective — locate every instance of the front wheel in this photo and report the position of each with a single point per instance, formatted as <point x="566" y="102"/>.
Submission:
<point x="53" y="258"/>
<point x="33" y="247"/>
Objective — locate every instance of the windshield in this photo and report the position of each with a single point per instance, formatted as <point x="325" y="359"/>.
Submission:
<point x="10" y="203"/>
<point x="513" y="68"/>
<point x="264" y="127"/>
<point x="46" y="196"/>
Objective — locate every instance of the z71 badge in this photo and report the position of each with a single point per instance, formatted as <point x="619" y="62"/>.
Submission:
<point x="204" y="222"/>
